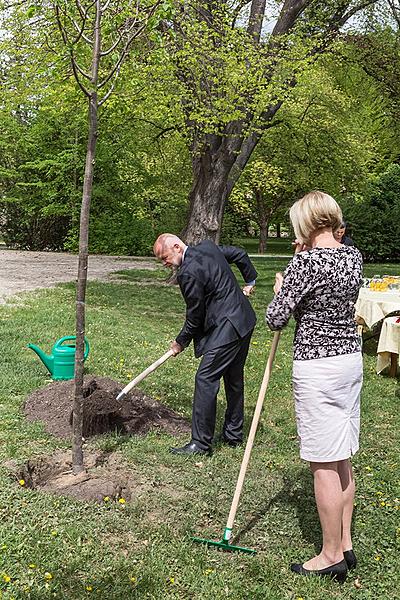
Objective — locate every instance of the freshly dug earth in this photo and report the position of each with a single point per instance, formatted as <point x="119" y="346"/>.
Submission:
<point x="106" y="477"/>
<point x="135" y="414"/>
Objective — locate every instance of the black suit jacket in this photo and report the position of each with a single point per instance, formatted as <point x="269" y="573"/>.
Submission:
<point x="217" y="311"/>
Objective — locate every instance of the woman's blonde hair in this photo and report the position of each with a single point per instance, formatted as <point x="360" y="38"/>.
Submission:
<point x="312" y="212"/>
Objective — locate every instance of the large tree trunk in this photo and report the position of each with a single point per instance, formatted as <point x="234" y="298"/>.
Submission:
<point x="207" y="199"/>
<point x="216" y="169"/>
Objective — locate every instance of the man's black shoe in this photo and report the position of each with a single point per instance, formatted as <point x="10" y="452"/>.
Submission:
<point x="190" y="448"/>
<point x="221" y="439"/>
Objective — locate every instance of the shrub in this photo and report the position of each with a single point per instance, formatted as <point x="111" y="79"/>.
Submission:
<point x="375" y="217"/>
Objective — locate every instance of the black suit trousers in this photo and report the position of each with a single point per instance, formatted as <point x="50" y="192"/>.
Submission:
<point x="227" y="362"/>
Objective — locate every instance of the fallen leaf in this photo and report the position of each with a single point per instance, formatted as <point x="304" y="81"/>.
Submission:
<point x="357" y="583"/>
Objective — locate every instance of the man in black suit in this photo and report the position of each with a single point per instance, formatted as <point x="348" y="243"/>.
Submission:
<point x="220" y="321"/>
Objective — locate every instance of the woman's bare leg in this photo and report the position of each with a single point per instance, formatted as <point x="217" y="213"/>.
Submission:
<point x="330" y="504"/>
<point x="348" y="486"/>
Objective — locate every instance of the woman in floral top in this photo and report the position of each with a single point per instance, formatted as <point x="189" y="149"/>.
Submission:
<point x="319" y="288"/>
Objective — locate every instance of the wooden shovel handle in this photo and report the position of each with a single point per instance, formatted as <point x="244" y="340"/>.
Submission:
<point x="146" y="372"/>
<point x="252" y="433"/>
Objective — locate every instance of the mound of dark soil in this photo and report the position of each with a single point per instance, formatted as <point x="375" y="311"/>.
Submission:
<point x="135" y="414"/>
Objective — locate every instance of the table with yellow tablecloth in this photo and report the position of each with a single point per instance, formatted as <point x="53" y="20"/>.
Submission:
<point x="373" y="306"/>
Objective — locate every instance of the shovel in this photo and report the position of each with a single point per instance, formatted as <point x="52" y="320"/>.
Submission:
<point x="224" y="543"/>
<point x="144" y="374"/>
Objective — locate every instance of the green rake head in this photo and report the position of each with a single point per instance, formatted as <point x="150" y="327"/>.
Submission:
<point x="224" y="544"/>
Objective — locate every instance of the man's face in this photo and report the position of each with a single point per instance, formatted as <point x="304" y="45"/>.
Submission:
<point x="170" y="256"/>
<point x="339" y="234"/>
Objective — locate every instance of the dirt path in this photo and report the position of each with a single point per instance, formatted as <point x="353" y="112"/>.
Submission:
<point x="21" y="271"/>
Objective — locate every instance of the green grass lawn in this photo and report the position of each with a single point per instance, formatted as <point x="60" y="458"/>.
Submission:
<point x="52" y="547"/>
<point x="275" y="246"/>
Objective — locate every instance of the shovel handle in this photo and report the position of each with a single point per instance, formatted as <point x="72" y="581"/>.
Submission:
<point x="146" y="372"/>
<point x="252" y="433"/>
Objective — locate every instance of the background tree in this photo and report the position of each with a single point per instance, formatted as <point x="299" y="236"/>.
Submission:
<point x="259" y="195"/>
<point x="235" y="79"/>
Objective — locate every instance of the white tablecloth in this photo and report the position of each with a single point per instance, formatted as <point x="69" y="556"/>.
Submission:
<point x="389" y="342"/>
<point x="374" y="306"/>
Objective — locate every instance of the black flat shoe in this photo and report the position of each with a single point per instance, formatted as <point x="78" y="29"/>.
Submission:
<point x="351" y="559"/>
<point x="189" y="449"/>
<point x="337" y="571"/>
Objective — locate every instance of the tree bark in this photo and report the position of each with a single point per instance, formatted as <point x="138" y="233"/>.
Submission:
<point x="263" y="221"/>
<point x="77" y="415"/>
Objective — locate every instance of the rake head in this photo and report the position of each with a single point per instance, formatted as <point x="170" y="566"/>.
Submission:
<point x="224" y="545"/>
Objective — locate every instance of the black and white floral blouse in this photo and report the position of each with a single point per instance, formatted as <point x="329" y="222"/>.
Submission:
<point x="320" y="288"/>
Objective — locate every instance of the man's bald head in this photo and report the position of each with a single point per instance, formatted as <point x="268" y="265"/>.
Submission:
<point x="169" y="248"/>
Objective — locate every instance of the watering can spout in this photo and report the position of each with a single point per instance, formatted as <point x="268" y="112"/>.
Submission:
<point x="48" y="361"/>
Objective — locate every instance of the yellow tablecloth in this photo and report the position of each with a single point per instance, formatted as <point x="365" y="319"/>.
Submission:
<point x="374" y="306"/>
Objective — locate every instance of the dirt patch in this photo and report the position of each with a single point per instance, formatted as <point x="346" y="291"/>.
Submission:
<point x="137" y="413"/>
<point x="106" y="478"/>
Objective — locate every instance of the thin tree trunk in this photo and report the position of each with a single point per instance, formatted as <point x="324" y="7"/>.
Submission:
<point x="77" y="418"/>
<point x="77" y="423"/>
<point x="263" y="219"/>
<point x="278" y="230"/>
<point x="262" y="246"/>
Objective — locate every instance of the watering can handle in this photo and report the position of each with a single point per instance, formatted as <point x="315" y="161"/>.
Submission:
<point x="73" y="337"/>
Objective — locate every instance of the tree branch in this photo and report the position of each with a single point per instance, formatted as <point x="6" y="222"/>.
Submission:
<point x="290" y="11"/>
<point x="75" y="71"/>
<point x="257" y="13"/>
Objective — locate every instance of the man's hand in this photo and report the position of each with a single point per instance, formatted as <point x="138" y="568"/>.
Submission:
<point x="278" y="282"/>
<point x="175" y="347"/>
<point x="248" y="289"/>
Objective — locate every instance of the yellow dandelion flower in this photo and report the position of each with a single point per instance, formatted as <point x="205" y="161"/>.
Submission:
<point x="89" y="588"/>
<point x="54" y="533"/>
<point x="367" y="468"/>
<point x="171" y="580"/>
<point x="6" y="578"/>
<point x="133" y="579"/>
<point x="383" y="503"/>
<point x="32" y="566"/>
<point x="106" y="498"/>
<point x="122" y="500"/>
<point x="378" y="557"/>
<point x="21" y="482"/>
<point x="48" y="576"/>
<point x="208" y="571"/>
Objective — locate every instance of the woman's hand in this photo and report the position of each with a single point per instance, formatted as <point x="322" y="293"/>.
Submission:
<point x="278" y="282"/>
<point x="299" y="246"/>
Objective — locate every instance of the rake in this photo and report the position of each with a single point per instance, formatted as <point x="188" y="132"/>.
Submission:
<point x="225" y="544"/>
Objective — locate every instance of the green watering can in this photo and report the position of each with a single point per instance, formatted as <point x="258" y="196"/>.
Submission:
<point x="61" y="362"/>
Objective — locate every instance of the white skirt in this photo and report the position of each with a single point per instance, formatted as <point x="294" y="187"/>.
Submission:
<point x="327" y="404"/>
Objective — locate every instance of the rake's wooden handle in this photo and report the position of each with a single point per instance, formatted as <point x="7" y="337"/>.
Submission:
<point x="252" y="433"/>
<point x="146" y="372"/>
